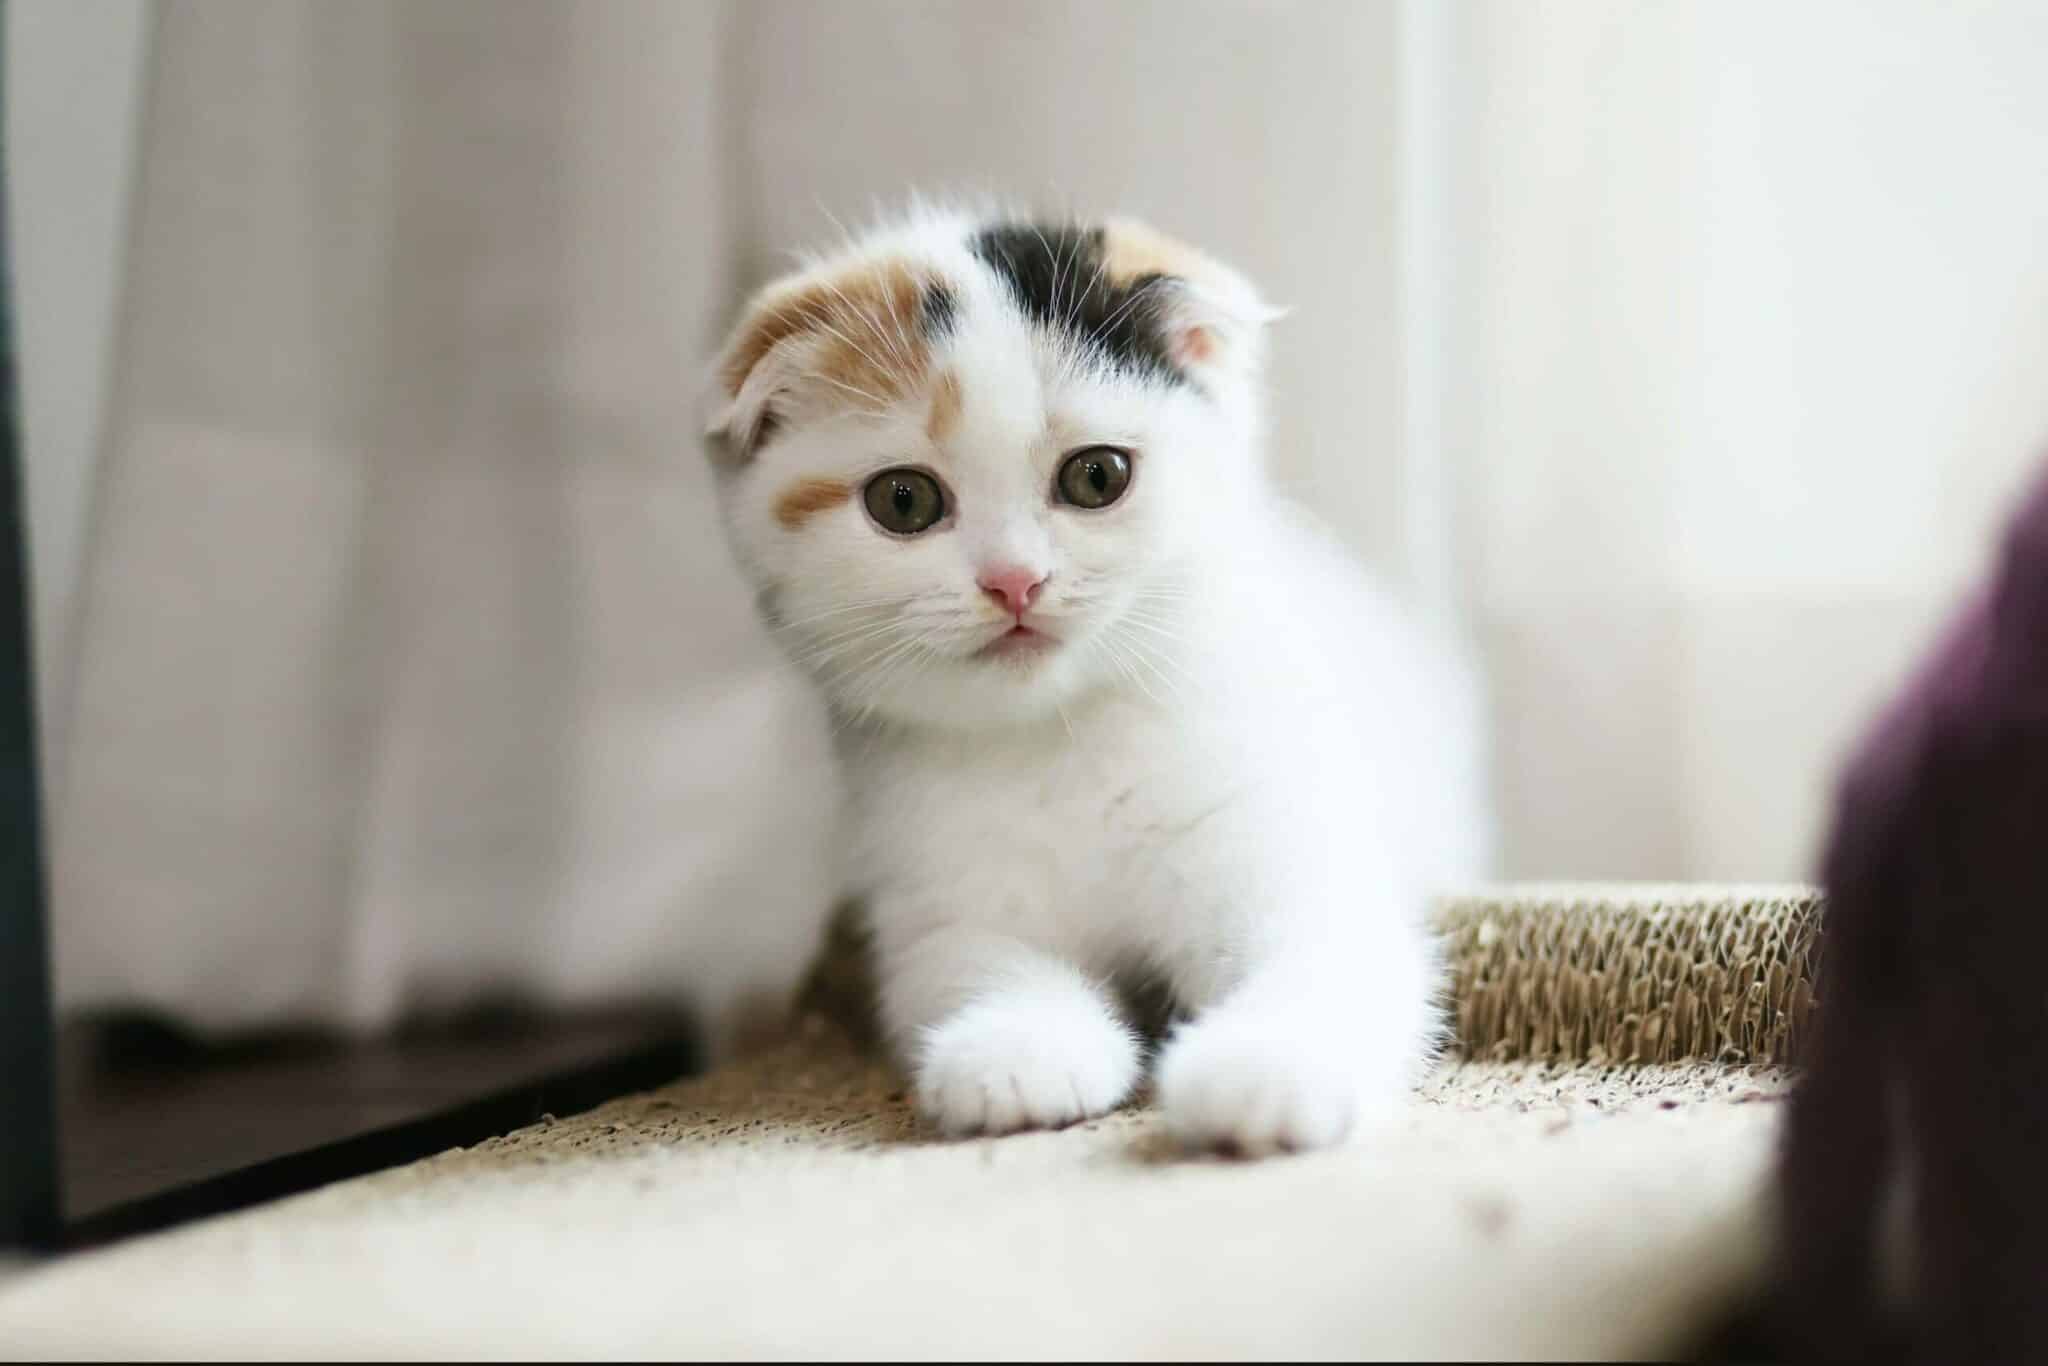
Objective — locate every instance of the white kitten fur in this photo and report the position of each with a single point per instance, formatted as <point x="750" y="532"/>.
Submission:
<point x="1239" y="770"/>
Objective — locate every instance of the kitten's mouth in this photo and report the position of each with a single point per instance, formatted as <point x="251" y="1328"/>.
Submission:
<point x="1019" y="642"/>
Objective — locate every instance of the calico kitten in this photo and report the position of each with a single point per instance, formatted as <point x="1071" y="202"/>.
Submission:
<point x="1108" y="706"/>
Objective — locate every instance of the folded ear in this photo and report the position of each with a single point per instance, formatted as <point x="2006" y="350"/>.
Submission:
<point x="743" y="385"/>
<point x="857" y="337"/>
<point x="1212" y="317"/>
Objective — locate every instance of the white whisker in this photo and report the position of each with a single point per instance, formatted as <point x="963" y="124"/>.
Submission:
<point x="861" y="605"/>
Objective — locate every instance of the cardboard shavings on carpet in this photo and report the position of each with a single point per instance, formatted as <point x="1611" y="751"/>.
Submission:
<point x="788" y="1205"/>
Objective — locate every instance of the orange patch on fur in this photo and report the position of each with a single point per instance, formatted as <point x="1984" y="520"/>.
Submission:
<point x="805" y="498"/>
<point x="945" y="414"/>
<point x="1131" y="250"/>
<point x="867" y="321"/>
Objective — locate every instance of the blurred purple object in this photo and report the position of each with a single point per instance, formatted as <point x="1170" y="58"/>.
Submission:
<point x="1928" y="1067"/>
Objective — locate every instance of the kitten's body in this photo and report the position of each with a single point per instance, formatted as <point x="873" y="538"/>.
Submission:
<point x="1224" y="762"/>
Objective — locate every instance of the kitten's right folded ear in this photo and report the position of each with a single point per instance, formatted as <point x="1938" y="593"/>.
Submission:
<point x="854" y="333"/>
<point x="734" y="424"/>
<point x="739" y="392"/>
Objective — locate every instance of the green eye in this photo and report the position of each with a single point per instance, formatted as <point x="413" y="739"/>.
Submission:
<point x="904" y="501"/>
<point x="1094" y="477"/>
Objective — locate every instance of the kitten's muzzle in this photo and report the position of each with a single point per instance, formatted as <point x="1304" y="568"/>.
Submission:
<point x="1020" y="641"/>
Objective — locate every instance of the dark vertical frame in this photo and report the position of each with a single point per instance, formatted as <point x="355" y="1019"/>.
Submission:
<point x="28" y="1124"/>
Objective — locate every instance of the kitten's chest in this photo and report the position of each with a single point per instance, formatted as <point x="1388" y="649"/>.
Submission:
<point x="1086" y="812"/>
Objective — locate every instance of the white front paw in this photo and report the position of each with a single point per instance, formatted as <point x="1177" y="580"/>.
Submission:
<point x="1239" y="1084"/>
<point x="1001" y="1065"/>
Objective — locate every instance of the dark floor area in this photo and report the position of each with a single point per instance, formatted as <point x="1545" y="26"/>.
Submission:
<point x="156" y="1126"/>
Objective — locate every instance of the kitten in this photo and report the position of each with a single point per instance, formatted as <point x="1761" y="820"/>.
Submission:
<point x="1108" y="706"/>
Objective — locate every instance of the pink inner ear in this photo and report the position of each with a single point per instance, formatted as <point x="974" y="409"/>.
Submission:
<point x="1193" y="346"/>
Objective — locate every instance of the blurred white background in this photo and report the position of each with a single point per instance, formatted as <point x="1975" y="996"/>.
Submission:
<point x="1685" y="354"/>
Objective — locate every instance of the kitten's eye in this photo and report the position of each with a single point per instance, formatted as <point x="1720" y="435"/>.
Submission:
<point x="904" y="501"/>
<point x="1095" y="477"/>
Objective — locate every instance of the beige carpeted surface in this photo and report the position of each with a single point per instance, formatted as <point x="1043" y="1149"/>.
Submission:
<point x="788" y="1206"/>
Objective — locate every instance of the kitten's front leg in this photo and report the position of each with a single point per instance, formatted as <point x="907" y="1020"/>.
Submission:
<point x="1329" y="1026"/>
<point x="999" y="1035"/>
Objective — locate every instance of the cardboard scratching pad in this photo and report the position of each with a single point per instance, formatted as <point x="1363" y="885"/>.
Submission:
<point x="1607" y="974"/>
<point x="1631" y="974"/>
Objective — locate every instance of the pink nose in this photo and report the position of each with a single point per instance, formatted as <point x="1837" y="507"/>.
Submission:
<point x="1011" y="588"/>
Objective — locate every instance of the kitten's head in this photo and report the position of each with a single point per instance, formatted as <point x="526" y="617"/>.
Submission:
<point x="968" y="463"/>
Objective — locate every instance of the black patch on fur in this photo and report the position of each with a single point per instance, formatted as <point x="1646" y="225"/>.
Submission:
<point x="1054" y="271"/>
<point x="937" y="311"/>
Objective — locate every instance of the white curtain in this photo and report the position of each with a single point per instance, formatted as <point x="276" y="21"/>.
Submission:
<point x="1682" y="353"/>
<point x="407" y="664"/>
<point x="1749" y="348"/>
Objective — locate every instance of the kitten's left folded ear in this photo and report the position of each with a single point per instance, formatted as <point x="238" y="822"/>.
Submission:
<point x="1213" y="316"/>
